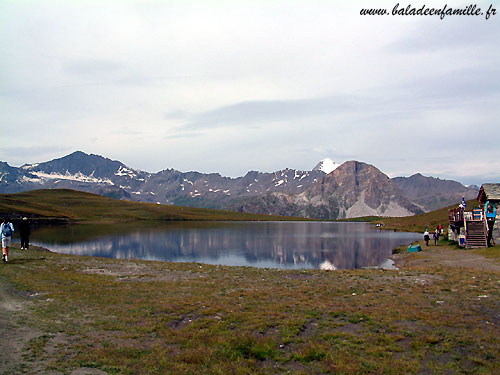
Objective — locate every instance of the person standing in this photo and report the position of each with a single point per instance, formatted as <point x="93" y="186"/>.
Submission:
<point x="6" y="230"/>
<point x="24" y="232"/>
<point x="436" y="236"/>
<point x="426" y="237"/>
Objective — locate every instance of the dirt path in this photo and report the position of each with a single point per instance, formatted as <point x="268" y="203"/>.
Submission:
<point x="445" y="256"/>
<point x="14" y="337"/>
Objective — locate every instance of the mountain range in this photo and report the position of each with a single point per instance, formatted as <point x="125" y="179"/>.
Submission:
<point x="328" y="191"/>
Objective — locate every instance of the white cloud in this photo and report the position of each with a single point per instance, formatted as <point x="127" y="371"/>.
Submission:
<point x="234" y="86"/>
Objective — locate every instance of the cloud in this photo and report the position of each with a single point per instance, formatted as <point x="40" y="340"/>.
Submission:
<point x="266" y="111"/>
<point x="20" y="155"/>
<point x="189" y="135"/>
<point x="176" y="115"/>
<point x="92" y="67"/>
<point x="234" y="86"/>
<point x="458" y="85"/>
<point x="432" y="35"/>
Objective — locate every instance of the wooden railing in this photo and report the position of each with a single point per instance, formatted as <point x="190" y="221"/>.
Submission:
<point x="459" y="214"/>
<point x="456" y="214"/>
<point x="465" y="229"/>
<point x="477" y="214"/>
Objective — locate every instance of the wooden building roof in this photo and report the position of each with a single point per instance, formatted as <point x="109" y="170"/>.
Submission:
<point x="489" y="192"/>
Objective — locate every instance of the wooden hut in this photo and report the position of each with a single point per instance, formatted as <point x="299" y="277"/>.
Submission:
<point x="471" y="228"/>
<point x="489" y="197"/>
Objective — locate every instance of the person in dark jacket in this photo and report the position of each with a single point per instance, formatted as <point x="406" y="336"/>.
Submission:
<point x="24" y="231"/>
<point x="436" y="236"/>
<point x="426" y="237"/>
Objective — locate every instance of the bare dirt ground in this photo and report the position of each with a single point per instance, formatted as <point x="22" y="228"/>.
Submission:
<point x="13" y="336"/>
<point x="447" y="257"/>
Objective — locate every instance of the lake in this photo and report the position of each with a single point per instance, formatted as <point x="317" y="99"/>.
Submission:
<point x="289" y="245"/>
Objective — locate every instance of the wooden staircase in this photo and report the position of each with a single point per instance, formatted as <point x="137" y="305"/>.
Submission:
<point x="476" y="234"/>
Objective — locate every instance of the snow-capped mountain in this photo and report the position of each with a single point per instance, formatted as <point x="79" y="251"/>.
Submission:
<point x="354" y="189"/>
<point x="96" y="174"/>
<point x="329" y="191"/>
<point x="326" y="165"/>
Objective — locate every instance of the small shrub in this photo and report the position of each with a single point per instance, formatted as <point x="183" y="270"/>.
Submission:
<point x="251" y="348"/>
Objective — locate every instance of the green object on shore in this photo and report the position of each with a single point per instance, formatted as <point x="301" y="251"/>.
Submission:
<point x="414" y="248"/>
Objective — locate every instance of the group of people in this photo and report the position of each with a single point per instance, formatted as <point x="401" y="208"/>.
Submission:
<point x="7" y="232"/>
<point x="435" y="235"/>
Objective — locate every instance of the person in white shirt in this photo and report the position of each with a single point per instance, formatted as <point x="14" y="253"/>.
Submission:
<point x="6" y="230"/>
<point x="426" y="237"/>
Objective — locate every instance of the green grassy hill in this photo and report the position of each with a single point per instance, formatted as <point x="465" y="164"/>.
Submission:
<point x="416" y="223"/>
<point x="71" y="205"/>
<point x="419" y="223"/>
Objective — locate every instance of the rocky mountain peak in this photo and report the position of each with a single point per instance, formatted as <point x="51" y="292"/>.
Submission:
<point x="78" y="162"/>
<point x="359" y="189"/>
<point x="326" y="165"/>
<point x="431" y="192"/>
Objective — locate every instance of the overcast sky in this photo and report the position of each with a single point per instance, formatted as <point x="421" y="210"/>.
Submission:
<point x="233" y="86"/>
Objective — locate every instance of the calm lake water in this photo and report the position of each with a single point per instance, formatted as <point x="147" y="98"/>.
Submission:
<point x="258" y="244"/>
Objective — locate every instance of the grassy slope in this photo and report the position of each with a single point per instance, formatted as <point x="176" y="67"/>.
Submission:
<point x="80" y="206"/>
<point x="417" y="223"/>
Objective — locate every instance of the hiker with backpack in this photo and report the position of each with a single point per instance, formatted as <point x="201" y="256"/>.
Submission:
<point x="7" y="230"/>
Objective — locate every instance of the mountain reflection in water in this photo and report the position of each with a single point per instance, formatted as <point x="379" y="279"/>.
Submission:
<point x="323" y="245"/>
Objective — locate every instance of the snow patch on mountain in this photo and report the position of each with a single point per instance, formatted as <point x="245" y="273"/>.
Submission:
<point x="124" y="171"/>
<point x="30" y="179"/>
<point x="30" y="166"/>
<point x="326" y="165"/>
<point x="80" y="177"/>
